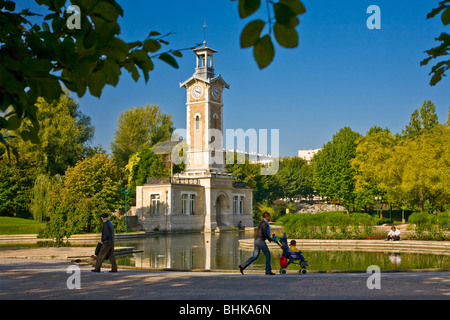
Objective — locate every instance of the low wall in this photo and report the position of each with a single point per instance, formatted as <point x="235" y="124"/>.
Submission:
<point x="173" y="223"/>
<point x="435" y="247"/>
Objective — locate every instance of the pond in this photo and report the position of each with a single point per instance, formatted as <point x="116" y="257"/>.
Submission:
<point x="221" y="251"/>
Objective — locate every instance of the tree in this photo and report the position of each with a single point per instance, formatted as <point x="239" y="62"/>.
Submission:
<point x="422" y="119"/>
<point x="412" y="169"/>
<point x="438" y="70"/>
<point x="63" y="136"/>
<point x="146" y="164"/>
<point x="265" y="187"/>
<point x="97" y="177"/>
<point x="333" y="175"/>
<point x="40" y="197"/>
<point x="422" y="168"/>
<point x="139" y="128"/>
<point x="372" y="153"/>
<point x="294" y="177"/>
<point x="87" y="190"/>
<point x="75" y="201"/>
<point x="16" y="181"/>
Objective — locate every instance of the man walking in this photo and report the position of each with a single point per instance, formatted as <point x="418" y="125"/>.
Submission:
<point x="107" y="245"/>
<point x="262" y="233"/>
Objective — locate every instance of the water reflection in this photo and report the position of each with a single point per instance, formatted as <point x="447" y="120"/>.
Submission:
<point x="189" y="251"/>
<point x="221" y="251"/>
<point x="395" y="258"/>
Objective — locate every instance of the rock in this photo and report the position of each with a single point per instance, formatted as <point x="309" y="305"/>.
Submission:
<point x="316" y="208"/>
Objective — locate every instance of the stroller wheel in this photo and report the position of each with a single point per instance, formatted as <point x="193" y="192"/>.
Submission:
<point x="282" y="271"/>
<point x="302" y="271"/>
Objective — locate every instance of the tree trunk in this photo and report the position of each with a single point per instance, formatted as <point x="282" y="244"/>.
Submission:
<point x="421" y="201"/>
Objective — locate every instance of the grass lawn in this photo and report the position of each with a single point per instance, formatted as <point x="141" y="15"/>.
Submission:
<point x="11" y="225"/>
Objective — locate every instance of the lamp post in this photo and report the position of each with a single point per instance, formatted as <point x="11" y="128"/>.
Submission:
<point x="125" y="192"/>
<point x="378" y="199"/>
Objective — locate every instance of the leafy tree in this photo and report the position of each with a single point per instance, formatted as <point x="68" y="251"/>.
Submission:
<point x="41" y="197"/>
<point x="411" y="171"/>
<point x="424" y="118"/>
<point x="264" y="187"/>
<point x="372" y="153"/>
<point x="77" y="199"/>
<point x="421" y="165"/>
<point x="333" y="175"/>
<point x="139" y="128"/>
<point x="294" y="178"/>
<point x="146" y="164"/>
<point x="63" y="136"/>
<point x="69" y="213"/>
<point x="438" y="70"/>
<point x="98" y="178"/>
<point x="16" y="181"/>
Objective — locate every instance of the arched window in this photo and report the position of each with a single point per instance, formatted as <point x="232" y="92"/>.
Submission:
<point x="215" y="121"/>
<point x="197" y="122"/>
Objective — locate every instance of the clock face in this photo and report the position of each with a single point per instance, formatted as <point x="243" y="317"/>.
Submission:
<point x="215" y="92"/>
<point x="197" y="91"/>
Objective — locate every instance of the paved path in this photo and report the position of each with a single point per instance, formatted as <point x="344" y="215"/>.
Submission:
<point x="41" y="279"/>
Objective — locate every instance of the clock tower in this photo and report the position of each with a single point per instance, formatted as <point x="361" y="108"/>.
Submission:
<point x="204" y="115"/>
<point x="204" y="196"/>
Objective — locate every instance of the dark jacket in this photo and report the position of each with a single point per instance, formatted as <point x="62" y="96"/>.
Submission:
<point x="262" y="231"/>
<point x="108" y="233"/>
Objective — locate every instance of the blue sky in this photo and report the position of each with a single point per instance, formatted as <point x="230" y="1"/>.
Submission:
<point x="342" y="73"/>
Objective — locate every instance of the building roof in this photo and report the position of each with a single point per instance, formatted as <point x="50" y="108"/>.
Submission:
<point x="209" y="81"/>
<point x="165" y="147"/>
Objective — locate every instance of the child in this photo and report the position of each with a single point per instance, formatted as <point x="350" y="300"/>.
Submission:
<point x="296" y="252"/>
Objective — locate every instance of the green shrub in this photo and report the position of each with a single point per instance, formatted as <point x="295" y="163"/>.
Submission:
<point x="328" y="225"/>
<point x="430" y="226"/>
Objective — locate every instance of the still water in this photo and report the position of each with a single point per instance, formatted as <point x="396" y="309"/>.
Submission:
<point x="221" y="251"/>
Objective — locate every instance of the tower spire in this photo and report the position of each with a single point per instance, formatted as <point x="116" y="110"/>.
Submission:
<point x="204" y="32"/>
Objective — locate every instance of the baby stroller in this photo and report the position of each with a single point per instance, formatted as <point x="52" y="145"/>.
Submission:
<point x="289" y="257"/>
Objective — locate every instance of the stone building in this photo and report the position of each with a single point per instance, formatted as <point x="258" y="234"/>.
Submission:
<point x="204" y="197"/>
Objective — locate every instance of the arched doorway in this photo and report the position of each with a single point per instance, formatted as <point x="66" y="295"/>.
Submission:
<point x="221" y="210"/>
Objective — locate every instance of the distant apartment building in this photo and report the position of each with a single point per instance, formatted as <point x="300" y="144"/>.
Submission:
<point x="308" y="154"/>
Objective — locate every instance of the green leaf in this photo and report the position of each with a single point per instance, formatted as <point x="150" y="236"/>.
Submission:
<point x="251" y="33"/>
<point x="177" y="53"/>
<point x="151" y="45"/>
<point x="263" y="51"/>
<point x="284" y="15"/>
<point x="131" y="68"/>
<point x="296" y="6"/>
<point x="13" y="122"/>
<point x="96" y="82"/>
<point x="248" y="7"/>
<point x="286" y="37"/>
<point x="9" y="5"/>
<point x="167" y="58"/>
<point x="45" y="27"/>
<point x="117" y="48"/>
<point x="106" y="10"/>
<point x="46" y="87"/>
<point x="143" y="61"/>
<point x="446" y="16"/>
<point x="112" y="72"/>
